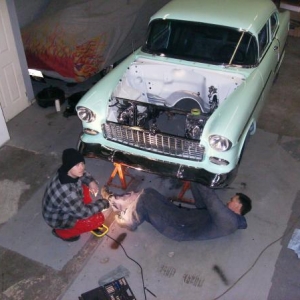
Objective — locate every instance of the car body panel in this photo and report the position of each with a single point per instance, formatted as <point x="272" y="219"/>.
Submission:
<point x="162" y="106"/>
<point x="219" y="12"/>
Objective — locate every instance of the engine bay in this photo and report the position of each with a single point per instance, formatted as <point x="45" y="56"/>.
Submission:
<point x="165" y="98"/>
<point x="187" y="121"/>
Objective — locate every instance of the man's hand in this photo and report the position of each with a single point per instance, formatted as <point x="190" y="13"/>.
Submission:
<point x="93" y="187"/>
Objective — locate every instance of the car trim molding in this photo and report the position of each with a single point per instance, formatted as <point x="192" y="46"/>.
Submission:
<point x="162" y="168"/>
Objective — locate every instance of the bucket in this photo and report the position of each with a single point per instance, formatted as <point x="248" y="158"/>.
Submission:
<point x="47" y="96"/>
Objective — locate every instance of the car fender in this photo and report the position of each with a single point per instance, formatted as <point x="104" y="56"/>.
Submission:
<point x="234" y="115"/>
<point x="102" y="90"/>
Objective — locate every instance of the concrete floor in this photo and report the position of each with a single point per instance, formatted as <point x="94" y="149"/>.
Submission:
<point x="255" y="263"/>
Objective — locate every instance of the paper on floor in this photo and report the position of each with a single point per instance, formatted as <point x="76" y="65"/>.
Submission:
<point x="294" y="243"/>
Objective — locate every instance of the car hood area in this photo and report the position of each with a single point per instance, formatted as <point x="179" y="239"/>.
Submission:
<point x="167" y="84"/>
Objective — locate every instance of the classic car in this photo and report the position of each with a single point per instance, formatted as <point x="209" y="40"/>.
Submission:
<point x="184" y="104"/>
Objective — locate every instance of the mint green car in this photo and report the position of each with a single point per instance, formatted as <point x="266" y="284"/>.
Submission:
<point x="184" y="104"/>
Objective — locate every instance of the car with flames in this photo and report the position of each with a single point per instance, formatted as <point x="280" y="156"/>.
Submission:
<point x="184" y="104"/>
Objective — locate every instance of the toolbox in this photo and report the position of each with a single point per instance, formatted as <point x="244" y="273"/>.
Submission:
<point x="117" y="289"/>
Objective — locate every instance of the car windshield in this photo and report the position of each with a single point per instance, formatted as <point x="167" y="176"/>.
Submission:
<point x="201" y="42"/>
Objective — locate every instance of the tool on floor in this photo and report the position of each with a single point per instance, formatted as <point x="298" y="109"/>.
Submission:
<point x="122" y="171"/>
<point x="117" y="289"/>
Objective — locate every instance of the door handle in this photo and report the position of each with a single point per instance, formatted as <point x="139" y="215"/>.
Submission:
<point x="275" y="48"/>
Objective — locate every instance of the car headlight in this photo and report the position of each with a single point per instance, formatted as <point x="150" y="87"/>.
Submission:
<point x="85" y="114"/>
<point x="219" y="143"/>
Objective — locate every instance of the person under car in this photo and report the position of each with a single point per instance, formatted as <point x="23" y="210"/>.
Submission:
<point x="210" y="218"/>
<point x="67" y="206"/>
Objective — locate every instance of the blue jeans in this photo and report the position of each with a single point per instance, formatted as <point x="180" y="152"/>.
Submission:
<point x="174" y="222"/>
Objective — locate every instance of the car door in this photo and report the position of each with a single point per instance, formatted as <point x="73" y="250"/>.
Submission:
<point x="269" y="56"/>
<point x="280" y="28"/>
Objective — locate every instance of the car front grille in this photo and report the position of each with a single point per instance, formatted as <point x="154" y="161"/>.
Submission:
<point x="156" y="143"/>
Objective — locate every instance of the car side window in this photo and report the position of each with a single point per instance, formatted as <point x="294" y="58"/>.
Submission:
<point x="160" y="36"/>
<point x="263" y="38"/>
<point x="274" y="24"/>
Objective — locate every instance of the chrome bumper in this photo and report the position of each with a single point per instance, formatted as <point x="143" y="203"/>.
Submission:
<point x="162" y="168"/>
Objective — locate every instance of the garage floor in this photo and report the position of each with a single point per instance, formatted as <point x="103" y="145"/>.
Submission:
<point x="253" y="264"/>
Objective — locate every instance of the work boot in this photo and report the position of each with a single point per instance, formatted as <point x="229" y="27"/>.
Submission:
<point x="128" y="218"/>
<point x="122" y="222"/>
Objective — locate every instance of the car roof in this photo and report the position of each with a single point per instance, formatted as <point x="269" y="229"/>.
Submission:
<point x="248" y="15"/>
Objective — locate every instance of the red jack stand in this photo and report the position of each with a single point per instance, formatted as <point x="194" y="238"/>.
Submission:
<point x="121" y="170"/>
<point x="186" y="186"/>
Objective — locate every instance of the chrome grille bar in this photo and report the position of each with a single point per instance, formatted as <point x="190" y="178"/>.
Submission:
<point x="157" y="143"/>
